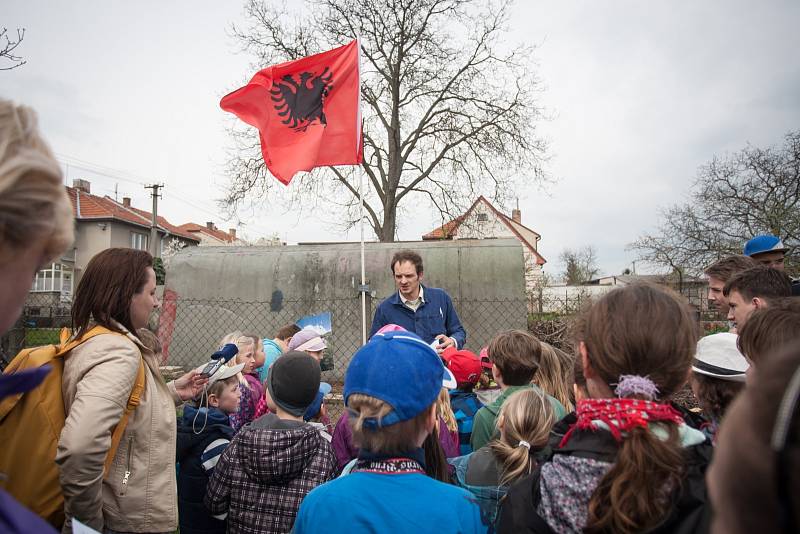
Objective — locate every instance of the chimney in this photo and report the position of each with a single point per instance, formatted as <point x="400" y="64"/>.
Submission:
<point x="82" y="185"/>
<point x="210" y="225"/>
<point x="126" y="201"/>
<point x="516" y="215"/>
<point x="232" y="231"/>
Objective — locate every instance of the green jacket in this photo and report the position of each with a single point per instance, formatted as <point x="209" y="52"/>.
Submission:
<point x="483" y="426"/>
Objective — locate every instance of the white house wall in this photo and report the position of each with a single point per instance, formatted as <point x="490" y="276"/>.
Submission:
<point x="493" y="227"/>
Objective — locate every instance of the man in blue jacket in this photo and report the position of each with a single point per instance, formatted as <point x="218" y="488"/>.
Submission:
<point x="426" y="311"/>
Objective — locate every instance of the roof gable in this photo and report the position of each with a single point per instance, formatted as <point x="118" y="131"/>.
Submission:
<point x="527" y="236"/>
<point x="219" y="235"/>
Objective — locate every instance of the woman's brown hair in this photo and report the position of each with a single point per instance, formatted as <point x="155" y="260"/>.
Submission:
<point x="108" y="285"/>
<point x="648" y="331"/>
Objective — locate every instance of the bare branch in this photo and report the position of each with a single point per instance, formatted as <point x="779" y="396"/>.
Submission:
<point x="7" y="49"/>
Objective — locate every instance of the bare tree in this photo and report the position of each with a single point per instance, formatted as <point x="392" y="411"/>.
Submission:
<point x="448" y="113"/>
<point x="734" y="198"/>
<point x="7" y="47"/>
<point x="580" y="265"/>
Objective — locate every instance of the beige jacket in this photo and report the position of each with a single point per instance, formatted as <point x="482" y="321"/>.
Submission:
<point x="140" y="492"/>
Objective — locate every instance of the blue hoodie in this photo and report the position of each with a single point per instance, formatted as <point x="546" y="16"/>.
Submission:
<point x="272" y="352"/>
<point x="203" y="435"/>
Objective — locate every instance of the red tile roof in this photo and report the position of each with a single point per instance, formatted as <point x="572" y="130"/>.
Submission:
<point x="87" y="206"/>
<point x="450" y="229"/>
<point x="193" y="228"/>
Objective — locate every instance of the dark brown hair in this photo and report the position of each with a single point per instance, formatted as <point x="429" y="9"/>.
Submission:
<point x="769" y="328"/>
<point x="286" y="332"/>
<point x="517" y="355"/>
<point x="110" y="281"/>
<point x="745" y="469"/>
<point x="577" y="374"/>
<point x="715" y="394"/>
<point x="762" y="282"/>
<point x="726" y="268"/>
<point x="436" y="465"/>
<point x="643" y="330"/>
<point x="404" y="256"/>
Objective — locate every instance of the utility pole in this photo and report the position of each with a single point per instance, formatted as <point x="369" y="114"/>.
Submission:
<point x="155" y="249"/>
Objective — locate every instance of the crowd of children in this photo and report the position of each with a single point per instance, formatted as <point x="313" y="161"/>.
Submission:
<point x="565" y="443"/>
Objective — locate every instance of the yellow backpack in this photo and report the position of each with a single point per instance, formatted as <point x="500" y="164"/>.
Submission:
<point x="31" y="424"/>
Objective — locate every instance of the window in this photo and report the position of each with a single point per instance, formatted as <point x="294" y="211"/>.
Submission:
<point x="139" y="241"/>
<point x="55" y="278"/>
<point x="483" y="217"/>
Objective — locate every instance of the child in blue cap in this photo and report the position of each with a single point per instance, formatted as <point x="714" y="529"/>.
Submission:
<point x="390" y="390"/>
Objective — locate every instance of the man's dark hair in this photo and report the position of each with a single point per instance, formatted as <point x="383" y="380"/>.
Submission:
<point x="727" y="268"/>
<point x="407" y="255"/>
<point x="286" y="332"/>
<point x="762" y="282"/>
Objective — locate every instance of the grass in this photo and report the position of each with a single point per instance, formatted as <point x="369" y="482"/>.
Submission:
<point x="35" y="337"/>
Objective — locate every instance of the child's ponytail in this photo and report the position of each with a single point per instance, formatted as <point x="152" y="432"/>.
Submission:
<point x="526" y="418"/>
<point x="634" y="495"/>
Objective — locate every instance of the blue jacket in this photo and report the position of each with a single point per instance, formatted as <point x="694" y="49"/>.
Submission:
<point x="435" y="316"/>
<point x="272" y="351"/>
<point x="197" y="454"/>
<point x="465" y="405"/>
<point x="383" y="502"/>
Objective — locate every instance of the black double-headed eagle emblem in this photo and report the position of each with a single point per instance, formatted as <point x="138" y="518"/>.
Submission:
<point x="300" y="103"/>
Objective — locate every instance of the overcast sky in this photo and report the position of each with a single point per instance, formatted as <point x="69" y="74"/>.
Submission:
<point x="641" y="94"/>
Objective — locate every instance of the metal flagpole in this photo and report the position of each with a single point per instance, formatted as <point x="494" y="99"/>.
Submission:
<point x="363" y="266"/>
<point x="363" y="289"/>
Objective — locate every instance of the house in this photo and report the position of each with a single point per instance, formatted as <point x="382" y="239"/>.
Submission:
<point x="210" y="235"/>
<point x="100" y="223"/>
<point x="483" y="221"/>
<point x="694" y="289"/>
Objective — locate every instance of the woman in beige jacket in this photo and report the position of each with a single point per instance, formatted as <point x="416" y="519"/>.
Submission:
<point x="117" y="291"/>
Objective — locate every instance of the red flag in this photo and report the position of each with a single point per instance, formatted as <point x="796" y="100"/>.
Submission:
<point x="306" y="111"/>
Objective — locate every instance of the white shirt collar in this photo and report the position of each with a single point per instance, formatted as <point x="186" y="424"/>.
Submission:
<point x="421" y="297"/>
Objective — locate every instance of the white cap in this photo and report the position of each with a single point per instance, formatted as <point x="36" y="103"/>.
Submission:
<point x="719" y="357"/>
<point x="225" y="372"/>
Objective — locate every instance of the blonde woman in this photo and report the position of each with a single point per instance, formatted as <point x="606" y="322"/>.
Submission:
<point x="524" y="424"/>
<point x="36" y="222"/>
<point x="554" y="375"/>
<point x="249" y="385"/>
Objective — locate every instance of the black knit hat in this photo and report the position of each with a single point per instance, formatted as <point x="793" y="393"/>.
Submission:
<point x="293" y="382"/>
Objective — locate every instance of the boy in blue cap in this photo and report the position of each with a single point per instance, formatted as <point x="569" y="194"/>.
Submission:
<point x="769" y="250"/>
<point x="390" y="390"/>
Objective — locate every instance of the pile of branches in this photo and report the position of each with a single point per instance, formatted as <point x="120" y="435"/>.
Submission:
<point x="552" y="329"/>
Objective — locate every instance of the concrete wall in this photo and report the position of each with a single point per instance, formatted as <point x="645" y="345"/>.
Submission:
<point x="267" y="287"/>
<point x="90" y="238"/>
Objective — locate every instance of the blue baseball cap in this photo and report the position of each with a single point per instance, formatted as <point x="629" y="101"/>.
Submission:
<point x="401" y="370"/>
<point x="763" y="243"/>
<point x="313" y="410"/>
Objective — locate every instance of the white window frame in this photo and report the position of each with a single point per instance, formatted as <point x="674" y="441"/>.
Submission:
<point x="140" y="241"/>
<point x="51" y="279"/>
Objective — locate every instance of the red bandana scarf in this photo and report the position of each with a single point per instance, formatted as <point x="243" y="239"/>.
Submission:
<point x="620" y="415"/>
